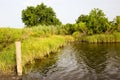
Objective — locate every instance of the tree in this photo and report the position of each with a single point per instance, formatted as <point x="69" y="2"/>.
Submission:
<point x="81" y="23"/>
<point x="28" y="16"/>
<point x="82" y="18"/>
<point x="94" y="23"/>
<point x="69" y="28"/>
<point x="83" y="28"/>
<point x="98" y="23"/>
<point x="39" y="15"/>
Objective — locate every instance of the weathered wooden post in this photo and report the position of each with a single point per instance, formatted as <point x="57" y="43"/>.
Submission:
<point x="18" y="58"/>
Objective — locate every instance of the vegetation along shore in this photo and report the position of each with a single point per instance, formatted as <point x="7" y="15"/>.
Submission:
<point x="45" y="34"/>
<point x="36" y="44"/>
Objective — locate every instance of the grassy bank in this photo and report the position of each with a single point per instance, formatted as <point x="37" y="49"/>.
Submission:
<point x="32" y="48"/>
<point x="101" y="38"/>
<point x="8" y="36"/>
<point x="36" y="42"/>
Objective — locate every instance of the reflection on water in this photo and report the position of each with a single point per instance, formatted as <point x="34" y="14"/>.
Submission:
<point x="80" y="61"/>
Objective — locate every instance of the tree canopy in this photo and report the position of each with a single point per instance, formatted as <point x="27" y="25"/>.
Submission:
<point x="96" y="21"/>
<point x="39" y="15"/>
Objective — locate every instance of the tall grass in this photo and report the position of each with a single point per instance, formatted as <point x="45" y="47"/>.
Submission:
<point x="40" y="31"/>
<point x="8" y="36"/>
<point x="39" y="47"/>
<point x="37" y="42"/>
<point x="32" y="48"/>
<point x="102" y="38"/>
<point x="7" y="59"/>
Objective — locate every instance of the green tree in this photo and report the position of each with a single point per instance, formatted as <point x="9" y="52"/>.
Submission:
<point x="94" y="23"/>
<point x="82" y="27"/>
<point x="69" y="28"/>
<point x="97" y="23"/>
<point x="29" y="17"/>
<point x="81" y="24"/>
<point x="82" y="18"/>
<point x="39" y="15"/>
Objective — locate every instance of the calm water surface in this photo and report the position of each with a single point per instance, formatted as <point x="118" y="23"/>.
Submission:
<point x="79" y="61"/>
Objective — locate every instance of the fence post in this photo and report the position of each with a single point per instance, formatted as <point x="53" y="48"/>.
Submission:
<point x="18" y="58"/>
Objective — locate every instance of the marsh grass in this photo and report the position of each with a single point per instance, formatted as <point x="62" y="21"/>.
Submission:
<point x="34" y="48"/>
<point x="36" y="42"/>
<point x="102" y="38"/>
<point x="8" y="36"/>
<point x="40" y="31"/>
<point x="7" y="59"/>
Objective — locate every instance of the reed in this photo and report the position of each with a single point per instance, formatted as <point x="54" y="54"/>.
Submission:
<point x="102" y="38"/>
<point x="8" y="36"/>
<point x="7" y="59"/>
<point x="37" y="42"/>
<point x="32" y="48"/>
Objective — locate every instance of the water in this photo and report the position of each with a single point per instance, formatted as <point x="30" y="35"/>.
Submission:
<point x="79" y="61"/>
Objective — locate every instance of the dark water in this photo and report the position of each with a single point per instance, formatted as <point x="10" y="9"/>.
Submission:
<point x="79" y="61"/>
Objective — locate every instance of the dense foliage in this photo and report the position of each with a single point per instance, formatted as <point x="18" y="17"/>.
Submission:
<point x="39" y="15"/>
<point x="94" y="23"/>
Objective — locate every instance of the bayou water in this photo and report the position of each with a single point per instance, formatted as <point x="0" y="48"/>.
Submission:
<point x="78" y="61"/>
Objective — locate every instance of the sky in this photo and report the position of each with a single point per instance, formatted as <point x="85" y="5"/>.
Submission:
<point x="66" y="10"/>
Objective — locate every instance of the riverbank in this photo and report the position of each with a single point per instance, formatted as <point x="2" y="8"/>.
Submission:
<point x="39" y="42"/>
<point x="36" y="43"/>
<point x="101" y="38"/>
<point x="32" y="48"/>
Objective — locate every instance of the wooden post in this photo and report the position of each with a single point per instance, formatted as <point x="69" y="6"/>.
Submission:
<point x="18" y="58"/>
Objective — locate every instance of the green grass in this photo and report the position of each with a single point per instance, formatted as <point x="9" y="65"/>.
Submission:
<point x="7" y="59"/>
<point x="7" y="49"/>
<point x="37" y="42"/>
<point x="40" y="31"/>
<point x="32" y="48"/>
<point x="8" y="36"/>
<point x="102" y="38"/>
